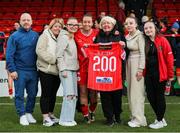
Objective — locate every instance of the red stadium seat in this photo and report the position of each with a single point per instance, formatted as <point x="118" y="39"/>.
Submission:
<point x="79" y="5"/>
<point x="169" y="1"/>
<point x="169" y="6"/>
<point x="66" y="14"/>
<point x="102" y="3"/>
<point x="113" y="8"/>
<point x="80" y="2"/>
<point x="102" y="8"/>
<point x="10" y="16"/>
<point x="40" y="22"/>
<point x="55" y="15"/>
<point x="90" y="3"/>
<point x="172" y="20"/>
<point x="177" y="5"/>
<point x="37" y="28"/>
<point x="33" y="14"/>
<point x="43" y="15"/>
<point x="79" y="8"/>
<point x="57" y="3"/>
<point x="90" y="8"/>
<point x="113" y="2"/>
<point x="172" y="13"/>
<point x="159" y="5"/>
<point x="68" y="8"/>
<point x="79" y="15"/>
<point x="113" y="14"/>
<point x="69" y="3"/>
<point x="34" y="4"/>
<point x="161" y="13"/>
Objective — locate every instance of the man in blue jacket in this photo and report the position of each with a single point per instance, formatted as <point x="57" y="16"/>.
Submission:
<point x="21" y="63"/>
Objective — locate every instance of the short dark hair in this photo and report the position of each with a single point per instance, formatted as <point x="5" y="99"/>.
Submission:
<point x="71" y="18"/>
<point x="88" y="15"/>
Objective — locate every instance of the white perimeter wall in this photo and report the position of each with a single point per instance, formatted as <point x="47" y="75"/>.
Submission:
<point x="4" y="82"/>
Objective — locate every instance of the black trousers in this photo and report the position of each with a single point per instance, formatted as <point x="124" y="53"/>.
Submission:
<point x="111" y="104"/>
<point x="49" y="86"/>
<point x="155" y="95"/>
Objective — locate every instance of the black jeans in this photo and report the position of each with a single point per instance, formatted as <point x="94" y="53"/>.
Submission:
<point x="111" y="104"/>
<point x="49" y="86"/>
<point x="155" y="94"/>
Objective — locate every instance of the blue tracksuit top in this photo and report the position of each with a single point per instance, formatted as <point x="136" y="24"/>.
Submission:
<point x="21" y="50"/>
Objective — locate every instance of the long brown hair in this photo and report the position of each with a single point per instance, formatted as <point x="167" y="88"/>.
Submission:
<point x="147" y="39"/>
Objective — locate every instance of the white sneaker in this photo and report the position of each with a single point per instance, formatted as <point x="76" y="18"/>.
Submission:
<point x="133" y="123"/>
<point x="11" y="96"/>
<point x="74" y="122"/>
<point x="155" y="121"/>
<point x="54" y="119"/>
<point x="156" y="125"/>
<point x="23" y="120"/>
<point x="48" y="122"/>
<point x="163" y="120"/>
<point x="68" y="124"/>
<point x="30" y="118"/>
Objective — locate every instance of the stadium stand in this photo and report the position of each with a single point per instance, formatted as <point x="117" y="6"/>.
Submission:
<point x="167" y="8"/>
<point x="44" y="10"/>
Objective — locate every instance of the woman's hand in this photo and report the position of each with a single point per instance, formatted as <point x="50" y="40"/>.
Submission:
<point x="64" y="74"/>
<point x="170" y="79"/>
<point x="86" y="45"/>
<point x="139" y="75"/>
<point x="122" y="43"/>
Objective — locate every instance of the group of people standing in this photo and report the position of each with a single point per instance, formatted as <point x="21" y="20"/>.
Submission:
<point x="60" y="58"/>
<point x="150" y="58"/>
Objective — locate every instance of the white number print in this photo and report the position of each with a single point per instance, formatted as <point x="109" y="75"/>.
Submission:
<point x="104" y="63"/>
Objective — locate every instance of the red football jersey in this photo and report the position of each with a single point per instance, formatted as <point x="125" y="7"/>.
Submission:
<point x="81" y="41"/>
<point x="105" y="67"/>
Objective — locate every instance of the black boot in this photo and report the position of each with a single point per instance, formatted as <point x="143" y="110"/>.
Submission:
<point x="110" y="122"/>
<point x="118" y="119"/>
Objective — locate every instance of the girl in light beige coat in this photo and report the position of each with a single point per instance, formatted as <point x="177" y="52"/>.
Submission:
<point x="134" y="74"/>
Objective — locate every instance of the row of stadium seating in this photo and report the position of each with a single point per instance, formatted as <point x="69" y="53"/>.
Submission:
<point x="63" y="5"/>
<point x="167" y="8"/>
<point x="166" y="1"/>
<point x="44" y="10"/>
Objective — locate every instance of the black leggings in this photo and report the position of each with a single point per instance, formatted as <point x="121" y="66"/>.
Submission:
<point x="111" y="104"/>
<point x="155" y="95"/>
<point x="49" y="86"/>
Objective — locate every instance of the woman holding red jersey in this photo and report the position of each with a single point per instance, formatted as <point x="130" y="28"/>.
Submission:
<point x="111" y="100"/>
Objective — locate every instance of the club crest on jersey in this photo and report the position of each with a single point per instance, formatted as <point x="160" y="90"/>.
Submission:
<point x="107" y="80"/>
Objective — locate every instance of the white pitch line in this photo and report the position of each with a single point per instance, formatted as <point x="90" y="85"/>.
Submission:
<point x="9" y="104"/>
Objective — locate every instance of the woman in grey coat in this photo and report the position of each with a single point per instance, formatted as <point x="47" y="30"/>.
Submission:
<point x="68" y="65"/>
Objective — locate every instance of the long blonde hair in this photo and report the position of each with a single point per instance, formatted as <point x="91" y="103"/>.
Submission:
<point x="56" y="20"/>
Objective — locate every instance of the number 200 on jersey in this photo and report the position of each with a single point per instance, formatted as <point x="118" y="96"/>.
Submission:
<point x="104" y="63"/>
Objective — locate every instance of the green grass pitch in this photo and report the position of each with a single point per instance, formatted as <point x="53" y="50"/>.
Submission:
<point x="9" y="121"/>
